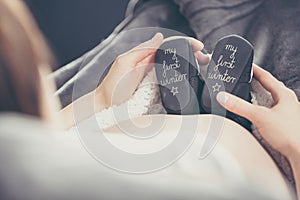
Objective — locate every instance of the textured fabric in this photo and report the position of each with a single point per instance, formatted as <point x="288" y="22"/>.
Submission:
<point x="271" y="26"/>
<point x="145" y="100"/>
<point x="90" y="69"/>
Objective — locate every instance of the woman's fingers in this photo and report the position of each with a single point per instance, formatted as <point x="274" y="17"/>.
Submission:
<point x="269" y="82"/>
<point x="196" y="44"/>
<point x="241" y="107"/>
<point x="203" y="59"/>
<point x="139" y="53"/>
<point x="197" y="47"/>
<point x="146" y="64"/>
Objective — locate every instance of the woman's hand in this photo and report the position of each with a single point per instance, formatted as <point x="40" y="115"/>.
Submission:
<point x="279" y="125"/>
<point x="129" y="69"/>
<point x="122" y="80"/>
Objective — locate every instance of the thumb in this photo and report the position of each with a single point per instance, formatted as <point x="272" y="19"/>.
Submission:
<point x="236" y="105"/>
<point x="144" y="50"/>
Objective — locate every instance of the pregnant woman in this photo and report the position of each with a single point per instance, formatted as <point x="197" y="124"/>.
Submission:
<point x="35" y="165"/>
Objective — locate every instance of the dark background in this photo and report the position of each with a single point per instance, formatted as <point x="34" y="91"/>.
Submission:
<point x="72" y="27"/>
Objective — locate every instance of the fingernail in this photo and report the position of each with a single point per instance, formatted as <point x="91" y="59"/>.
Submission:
<point x="222" y="98"/>
<point x="157" y="36"/>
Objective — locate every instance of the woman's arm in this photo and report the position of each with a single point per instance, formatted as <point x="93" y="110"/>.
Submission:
<point x="126" y="73"/>
<point x="82" y="109"/>
<point x="279" y="125"/>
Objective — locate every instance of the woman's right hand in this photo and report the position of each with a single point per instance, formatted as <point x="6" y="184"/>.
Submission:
<point x="279" y="125"/>
<point x="129" y="69"/>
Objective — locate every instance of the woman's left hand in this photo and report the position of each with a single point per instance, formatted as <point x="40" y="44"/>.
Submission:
<point x="279" y="125"/>
<point x="129" y="69"/>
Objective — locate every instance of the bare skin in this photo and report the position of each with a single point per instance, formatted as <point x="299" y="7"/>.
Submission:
<point x="256" y="164"/>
